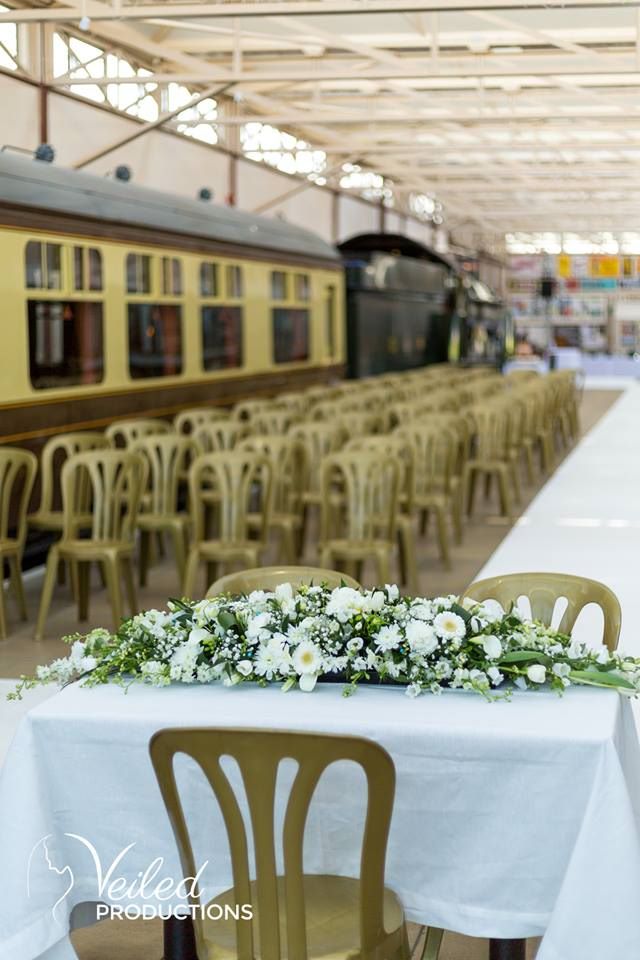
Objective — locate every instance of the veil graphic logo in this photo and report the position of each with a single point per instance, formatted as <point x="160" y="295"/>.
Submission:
<point x="111" y="884"/>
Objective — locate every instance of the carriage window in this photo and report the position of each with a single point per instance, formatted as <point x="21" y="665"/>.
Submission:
<point x="290" y="334"/>
<point x="208" y="279"/>
<point x="138" y="273"/>
<point x="234" y="281"/>
<point x="171" y="276"/>
<point x="303" y="289"/>
<point x="65" y="343"/>
<point x="155" y="340"/>
<point x="43" y="265"/>
<point x="278" y="285"/>
<point x="87" y="268"/>
<point x="221" y="337"/>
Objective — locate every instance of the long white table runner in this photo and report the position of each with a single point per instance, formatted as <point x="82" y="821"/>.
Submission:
<point x="511" y="819"/>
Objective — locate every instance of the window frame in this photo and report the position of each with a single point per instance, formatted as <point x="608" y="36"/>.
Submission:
<point x="292" y="302"/>
<point x="220" y="299"/>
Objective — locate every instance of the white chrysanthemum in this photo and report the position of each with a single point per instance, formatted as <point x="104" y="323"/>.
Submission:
<point x="388" y="638"/>
<point x="307" y="658"/>
<point x="449" y="626"/>
<point x="298" y="632"/>
<point x="421" y="637"/>
<point x="344" y="603"/>
<point x="272" y="659"/>
<point x="421" y="610"/>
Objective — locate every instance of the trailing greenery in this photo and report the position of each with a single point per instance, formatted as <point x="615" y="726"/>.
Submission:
<point x="297" y="638"/>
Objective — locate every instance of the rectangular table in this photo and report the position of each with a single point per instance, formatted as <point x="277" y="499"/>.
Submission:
<point x="511" y="819"/>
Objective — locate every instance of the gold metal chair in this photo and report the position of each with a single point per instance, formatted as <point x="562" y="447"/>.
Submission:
<point x="296" y="916"/>
<point x="318" y="439"/>
<point x="241" y="480"/>
<point x="359" y="511"/>
<point x="55" y="452"/>
<point x="188" y="421"/>
<point x="111" y="482"/>
<point x="123" y="433"/>
<point x="167" y="457"/>
<point x="268" y="578"/>
<point x="17" y="472"/>
<point x="545" y="589"/>
<point x="272" y="420"/>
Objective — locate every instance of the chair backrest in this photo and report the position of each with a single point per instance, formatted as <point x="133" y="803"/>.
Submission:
<point x="55" y="451"/>
<point x="17" y="472"/>
<point x="368" y="488"/>
<point x="239" y="478"/>
<point x="258" y="754"/>
<point x="287" y="458"/>
<point x="491" y="421"/>
<point x="432" y="452"/>
<point x="108" y="484"/>
<point x="167" y="456"/>
<point x="248" y="409"/>
<point x="318" y="440"/>
<point x="123" y="433"/>
<point x="187" y="421"/>
<point x="398" y="448"/>
<point x="272" y="420"/>
<point x="268" y="578"/>
<point x="545" y="589"/>
<point x="213" y="437"/>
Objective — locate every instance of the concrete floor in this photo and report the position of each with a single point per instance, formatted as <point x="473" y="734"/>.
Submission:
<point x="20" y="654"/>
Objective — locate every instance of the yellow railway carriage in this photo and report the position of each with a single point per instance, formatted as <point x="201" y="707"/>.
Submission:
<point x="119" y="300"/>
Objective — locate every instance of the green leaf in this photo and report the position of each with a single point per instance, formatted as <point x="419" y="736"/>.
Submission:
<point x="518" y="656"/>
<point x="601" y="678"/>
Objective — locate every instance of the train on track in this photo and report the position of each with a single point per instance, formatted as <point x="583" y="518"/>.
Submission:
<point x="122" y="301"/>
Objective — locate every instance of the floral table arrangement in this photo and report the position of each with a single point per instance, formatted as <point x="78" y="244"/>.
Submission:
<point x="298" y="638"/>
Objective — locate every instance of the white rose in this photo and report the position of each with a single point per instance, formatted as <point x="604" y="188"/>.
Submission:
<point x="492" y="647"/>
<point x="244" y="667"/>
<point x="537" y="673"/>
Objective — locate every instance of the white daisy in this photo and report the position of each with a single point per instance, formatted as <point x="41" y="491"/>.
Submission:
<point x="307" y="658"/>
<point x="449" y="626"/>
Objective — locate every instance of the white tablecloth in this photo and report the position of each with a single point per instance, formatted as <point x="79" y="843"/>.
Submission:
<point x="511" y="819"/>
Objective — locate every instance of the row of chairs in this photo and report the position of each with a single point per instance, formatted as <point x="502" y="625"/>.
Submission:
<point x="371" y="457"/>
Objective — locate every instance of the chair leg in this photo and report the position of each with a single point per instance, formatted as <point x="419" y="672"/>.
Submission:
<point x="84" y="583"/>
<point x="470" y="478"/>
<point x="383" y="567"/>
<point x="505" y="497"/>
<point x="424" y="522"/>
<point x="18" y="586"/>
<point x="529" y="460"/>
<point x="112" y="576"/>
<point x="47" y="591"/>
<point x="408" y="558"/>
<point x="191" y="571"/>
<point x="456" y="514"/>
<point x="288" y="545"/>
<point x="130" y="584"/>
<point x="443" y="537"/>
<point x="3" y="618"/>
<point x="515" y="477"/>
<point x="145" y="550"/>
<point x="432" y="944"/>
<point x="177" y="534"/>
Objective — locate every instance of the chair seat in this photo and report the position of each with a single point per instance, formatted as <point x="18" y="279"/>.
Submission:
<point x="333" y="923"/>
<point x="356" y="548"/>
<point x="9" y="547"/>
<point x="161" y="521"/>
<point x="93" y="549"/>
<point x="52" y="520"/>
<point x="219" y="549"/>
